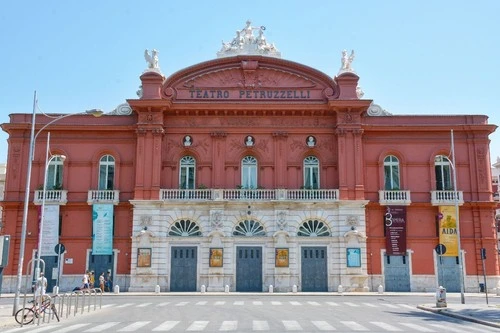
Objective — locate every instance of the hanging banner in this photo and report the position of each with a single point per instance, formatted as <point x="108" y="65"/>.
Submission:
<point x="448" y="230"/>
<point x="395" y="230"/>
<point x="49" y="230"/>
<point x="102" y="228"/>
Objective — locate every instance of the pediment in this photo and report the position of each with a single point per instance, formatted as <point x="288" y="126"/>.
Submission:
<point x="249" y="79"/>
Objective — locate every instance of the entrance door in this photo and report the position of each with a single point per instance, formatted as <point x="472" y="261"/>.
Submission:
<point x="314" y="269"/>
<point x="448" y="273"/>
<point x="50" y="271"/>
<point x="396" y="273"/>
<point x="100" y="264"/>
<point x="248" y="268"/>
<point x="183" y="263"/>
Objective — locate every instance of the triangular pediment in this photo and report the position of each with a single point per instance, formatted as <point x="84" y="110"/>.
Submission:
<point x="251" y="79"/>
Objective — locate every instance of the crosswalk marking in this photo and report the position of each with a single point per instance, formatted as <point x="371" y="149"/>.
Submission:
<point x="448" y="328"/>
<point x="134" y="326"/>
<point x="417" y="327"/>
<point x="276" y="303"/>
<point x="354" y="326"/>
<point x="351" y="304"/>
<point x="257" y="303"/>
<point x="70" y="328"/>
<point x="164" y="303"/>
<point x="102" y="327"/>
<point x="291" y="325"/>
<point x="260" y="325"/>
<point x="181" y="303"/>
<point x="143" y="305"/>
<point x="228" y="325"/>
<point x="220" y="303"/>
<point x="166" y="326"/>
<point x="370" y="305"/>
<point x="239" y="303"/>
<point x="295" y="303"/>
<point x="125" y="305"/>
<point x="323" y="326"/>
<point x="40" y="329"/>
<point x="197" y="325"/>
<point x="407" y="306"/>
<point x="386" y="326"/>
<point x="332" y="303"/>
<point x="392" y="306"/>
<point x="107" y="306"/>
<point x="201" y="303"/>
<point x="313" y="303"/>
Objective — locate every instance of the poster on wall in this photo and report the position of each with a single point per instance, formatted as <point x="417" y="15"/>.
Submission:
<point x="216" y="257"/>
<point x="395" y="230"/>
<point x="448" y="230"/>
<point x="50" y="230"/>
<point x="144" y="257"/>
<point x="282" y="258"/>
<point x="353" y="256"/>
<point x="102" y="229"/>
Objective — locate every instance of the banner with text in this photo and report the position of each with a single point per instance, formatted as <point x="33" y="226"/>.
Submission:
<point x="49" y="230"/>
<point x="448" y="230"/>
<point x="102" y="229"/>
<point x="395" y="230"/>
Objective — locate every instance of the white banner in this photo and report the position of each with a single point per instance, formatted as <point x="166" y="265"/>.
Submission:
<point x="50" y="230"/>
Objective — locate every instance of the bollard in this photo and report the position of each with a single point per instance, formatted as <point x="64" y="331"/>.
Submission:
<point x="117" y="289"/>
<point x="226" y="289"/>
<point x="340" y="289"/>
<point x="380" y="289"/>
<point x="271" y="289"/>
<point x="157" y="289"/>
<point x="203" y="288"/>
<point x="441" y="297"/>
<point x="294" y="288"/>
<point x="55" y="291"/>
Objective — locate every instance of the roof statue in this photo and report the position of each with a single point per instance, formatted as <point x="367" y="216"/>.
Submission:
<point x="152" y="60"/>
<point x="246" y="42"/>
<point x="346" y="61"/>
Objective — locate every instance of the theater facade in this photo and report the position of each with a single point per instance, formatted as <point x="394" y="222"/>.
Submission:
<point x="250" y="172"/>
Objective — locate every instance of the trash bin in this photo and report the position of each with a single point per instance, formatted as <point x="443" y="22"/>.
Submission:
<point x="481" y="287"/>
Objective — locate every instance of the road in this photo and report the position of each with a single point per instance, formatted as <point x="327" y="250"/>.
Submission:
<point x="264" y="313"/>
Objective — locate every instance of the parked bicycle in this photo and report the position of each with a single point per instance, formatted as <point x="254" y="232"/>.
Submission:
<point x="27" y="315"/>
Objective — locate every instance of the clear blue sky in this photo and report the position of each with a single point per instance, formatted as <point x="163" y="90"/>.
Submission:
<point x="413" y="57"/>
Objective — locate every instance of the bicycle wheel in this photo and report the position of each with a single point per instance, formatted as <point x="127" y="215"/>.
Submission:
<point x="28" y="317"/>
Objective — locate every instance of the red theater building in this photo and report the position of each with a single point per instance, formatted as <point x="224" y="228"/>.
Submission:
<point x="249" y="171"/>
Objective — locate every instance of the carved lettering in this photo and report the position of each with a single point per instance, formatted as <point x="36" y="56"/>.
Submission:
<point x="249" y="94"/>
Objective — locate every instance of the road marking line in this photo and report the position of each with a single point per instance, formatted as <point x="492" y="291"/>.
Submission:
<point x="276" y="303"/>
<point x="228" y="326"/>
<point x="295" y="303"/>
<point x="239" y="303"/>
<point x="351" y="304"/>
<point x="69" y="328"/>
<point x="125" y="305"/>
<point x="354" y="326"/>
<point x="134" y="326"/>
<point x="257" y="303"/>
<point x="313" y="303"/>
<point x="197" y="326"/>
<point x="417" y="327"/>
<point x="181" y="303"/>
<point x="385" y="326"/>
<point x="164" y="303"/>
<point x="332" y="303"/>
<point x="166" y="326"/>
<point x="260" y="325"/>
<point x="220" y="303"/>
<point x="407" y="306"/>
<point x="291" y="325"/>
<point x="102" y="327"/>
<point x="448" y="328"/>
<point x="323" y="326"/>
<point x="370" y="305"/>
<point x="392" y="306"/>
<point x="201" y="303"/>
<point x="143" y="305"/>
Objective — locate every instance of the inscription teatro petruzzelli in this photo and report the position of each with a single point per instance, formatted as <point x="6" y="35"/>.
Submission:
<point x="249" y="94"/>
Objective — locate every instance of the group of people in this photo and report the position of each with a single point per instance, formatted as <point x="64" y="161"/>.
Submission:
<point x="88" y="281"/>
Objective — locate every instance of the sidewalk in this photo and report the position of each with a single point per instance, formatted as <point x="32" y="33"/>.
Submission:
<point x="479" y="313"/>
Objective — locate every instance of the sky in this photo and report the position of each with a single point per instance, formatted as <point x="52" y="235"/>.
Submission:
<point x="412" y="57"/>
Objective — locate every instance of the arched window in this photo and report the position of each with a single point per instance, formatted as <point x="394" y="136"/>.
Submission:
<point x="391" y="173"/>
<point x="185" y="228"/>
<point x="249" y="228"/>
<point x="313" y="228"/>
<point x="55" y="174"/>
<point x="442" y="167"/>
<point x="249" y="172"/>
<point x="107" y="173"/>
<point x="311" y="172"/>
<point x="187" y="173"/>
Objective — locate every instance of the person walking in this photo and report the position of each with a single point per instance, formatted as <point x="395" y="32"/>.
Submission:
<point x="91" y="279"/>
<point x="85" y="280"/>
<point x="109" y="282"/>
<point x="101" y="281"/>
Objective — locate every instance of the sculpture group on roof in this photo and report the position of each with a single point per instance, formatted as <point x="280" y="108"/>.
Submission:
<point x="245" y="42"/>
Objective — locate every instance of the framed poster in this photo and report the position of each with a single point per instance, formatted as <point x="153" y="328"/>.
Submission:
<point x="144" y="257"/>
<point x="354" y="257"/>
<point x="216" y="256"/>
<point x="282" y="258"/>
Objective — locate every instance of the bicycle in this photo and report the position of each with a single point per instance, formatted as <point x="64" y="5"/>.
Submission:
<point x="27" y="315"/>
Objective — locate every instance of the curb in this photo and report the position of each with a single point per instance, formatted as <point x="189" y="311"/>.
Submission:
<point x="451" y="313"/>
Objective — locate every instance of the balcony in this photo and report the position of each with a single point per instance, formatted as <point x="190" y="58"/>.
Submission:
<point x="394" y="197"/>
<point x="51" y="197"/>
<point x="103" y="196"/>
<point x="447" y="198"/>
<point x="248" y="195"/>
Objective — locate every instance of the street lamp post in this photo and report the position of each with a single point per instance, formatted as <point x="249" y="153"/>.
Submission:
<point x="460" y="263"/>
<point x="33" y="136"/>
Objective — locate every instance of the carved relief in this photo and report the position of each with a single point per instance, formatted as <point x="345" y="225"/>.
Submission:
<point x="146" y="220"/>
<point x="481" y="158"/>
<point x="216" y="220"/>
<point x="281" y="220"/>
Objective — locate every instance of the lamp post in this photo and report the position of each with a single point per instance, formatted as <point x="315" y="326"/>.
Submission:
<point x="460" y="264"/>
<point x="33" y="136"/>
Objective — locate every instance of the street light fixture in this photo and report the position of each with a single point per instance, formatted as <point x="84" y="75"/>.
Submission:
<point x="33" y="136"/>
